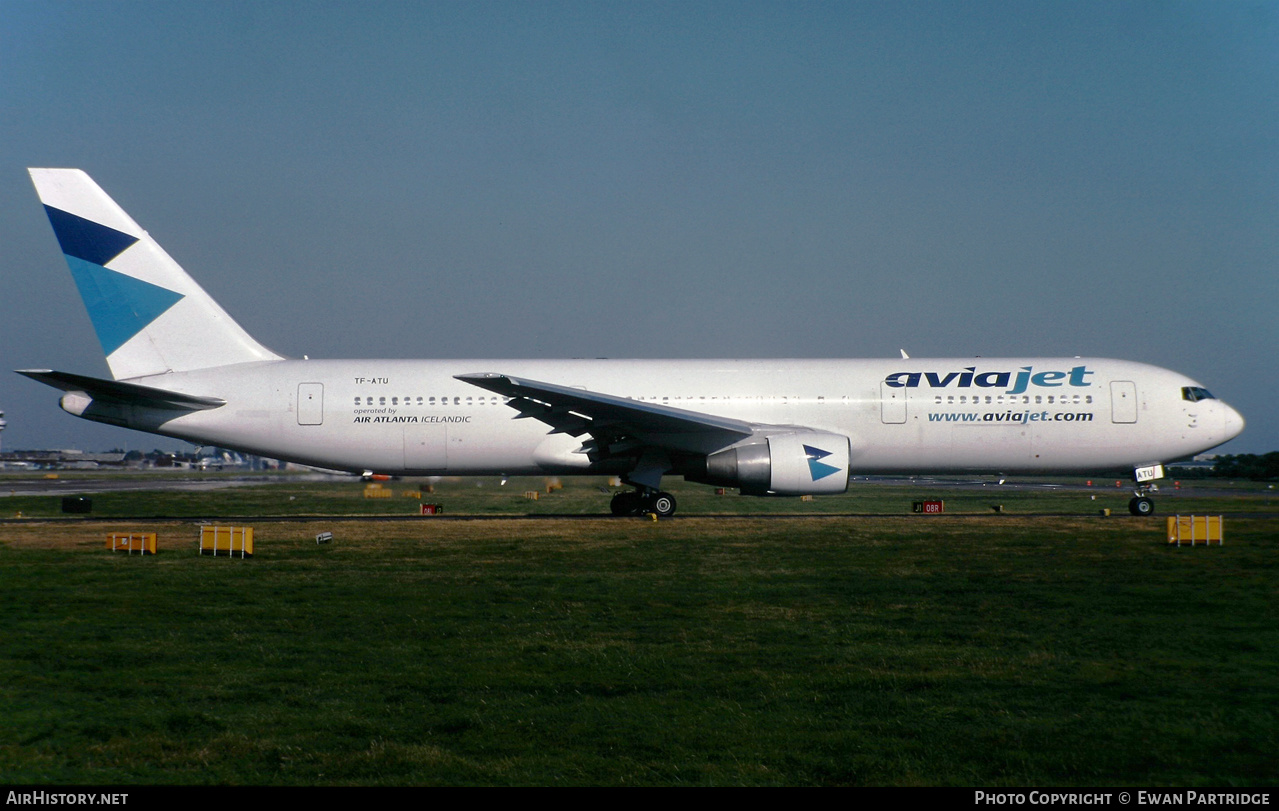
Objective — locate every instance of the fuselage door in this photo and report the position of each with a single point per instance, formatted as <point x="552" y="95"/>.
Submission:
<point x="892" y="403"/>
<point x="1123" y="401"/>
<point x="310" y="404"/>
<point x="426" y="447"/>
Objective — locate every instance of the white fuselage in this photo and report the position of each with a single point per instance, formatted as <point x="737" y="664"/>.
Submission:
<point x="182" y="367"/>
<point x="901" y="416"/>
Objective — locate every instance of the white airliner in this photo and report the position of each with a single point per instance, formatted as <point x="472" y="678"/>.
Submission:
<point x="183" y="368"/>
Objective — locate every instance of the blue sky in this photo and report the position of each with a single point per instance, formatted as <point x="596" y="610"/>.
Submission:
<point x="662" y="180"/>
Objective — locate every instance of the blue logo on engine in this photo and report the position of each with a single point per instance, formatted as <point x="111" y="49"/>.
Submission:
<point x="818" y="470"/>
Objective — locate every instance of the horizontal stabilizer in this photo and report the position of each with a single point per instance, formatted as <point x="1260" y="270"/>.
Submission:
<point x="113" y="391"/>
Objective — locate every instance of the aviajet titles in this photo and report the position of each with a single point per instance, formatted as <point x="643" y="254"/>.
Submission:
<point x="971" y="378"/>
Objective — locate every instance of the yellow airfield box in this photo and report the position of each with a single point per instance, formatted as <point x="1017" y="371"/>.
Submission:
<point x="233" y="541"/>
<point x="377" y="491"/>
<point x="1193" y="529"/>
<point x="141" y="542"/>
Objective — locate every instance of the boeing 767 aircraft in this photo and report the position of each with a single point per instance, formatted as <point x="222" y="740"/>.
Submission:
<point x="181" y="367"/>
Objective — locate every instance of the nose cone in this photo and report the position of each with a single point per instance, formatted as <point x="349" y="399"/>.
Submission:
<point x="1233" y="423"/>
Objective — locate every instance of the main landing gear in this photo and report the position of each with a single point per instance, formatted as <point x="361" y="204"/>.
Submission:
<point x="642" y="502"/>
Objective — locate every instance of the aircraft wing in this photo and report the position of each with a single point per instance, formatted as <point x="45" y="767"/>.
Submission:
<point x="114" y="391"/>
<point x="614" y="423"/>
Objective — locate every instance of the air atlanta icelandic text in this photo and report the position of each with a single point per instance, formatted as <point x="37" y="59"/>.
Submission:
<point x="432" y="419"/>
<point x="970" y="378"/>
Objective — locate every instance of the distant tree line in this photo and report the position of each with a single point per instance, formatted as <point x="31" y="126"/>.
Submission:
<point x="1261" y="467"/>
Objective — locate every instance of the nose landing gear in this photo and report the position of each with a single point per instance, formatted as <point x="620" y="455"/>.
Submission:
<point x="1141" y="505"/>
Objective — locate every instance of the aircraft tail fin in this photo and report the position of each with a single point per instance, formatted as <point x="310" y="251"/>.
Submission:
<point x="149" y="315"/>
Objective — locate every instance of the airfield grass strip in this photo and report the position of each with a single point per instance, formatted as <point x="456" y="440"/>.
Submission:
<point x="992" y="650"/>
<point x="589" y="496"/>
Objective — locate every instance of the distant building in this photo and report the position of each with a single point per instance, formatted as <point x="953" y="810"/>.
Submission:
<point x="71" y="459"/>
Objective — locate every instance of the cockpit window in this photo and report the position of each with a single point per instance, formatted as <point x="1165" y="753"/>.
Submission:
<point x="1195" y="393"/>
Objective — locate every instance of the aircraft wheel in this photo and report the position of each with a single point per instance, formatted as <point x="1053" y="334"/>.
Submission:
<point x="1141" y="506"/>
<point x="662" y="505"/>
<point x="625" y="504"/>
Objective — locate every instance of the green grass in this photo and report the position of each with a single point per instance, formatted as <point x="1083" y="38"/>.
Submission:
<point x="983" y="650"/>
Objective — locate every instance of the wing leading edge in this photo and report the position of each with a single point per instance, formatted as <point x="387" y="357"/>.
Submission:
<point x="616" y="425"/>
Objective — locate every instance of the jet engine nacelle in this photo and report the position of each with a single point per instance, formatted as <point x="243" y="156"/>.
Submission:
<point x="792" y="464"/>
